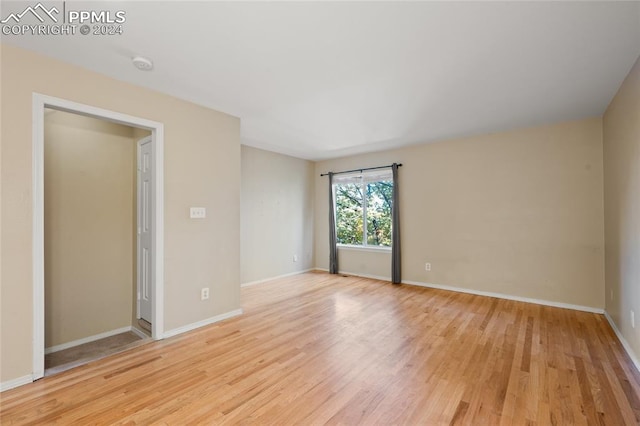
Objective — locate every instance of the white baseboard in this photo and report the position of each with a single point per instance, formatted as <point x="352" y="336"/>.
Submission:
<point x="373" y="277"/>
<point x="482" y="293"/>
<point x="625" y="344"/>
<point x="508" y="297"/>
<point x="88" y="339"/>
<point x="250" y="283"/>
<point x="202" y="323"/>
<point x="10" y="384"/>
<point x="139" y="333"/>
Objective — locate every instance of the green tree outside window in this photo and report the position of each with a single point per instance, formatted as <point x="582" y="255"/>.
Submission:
<point x="363" y="212"/>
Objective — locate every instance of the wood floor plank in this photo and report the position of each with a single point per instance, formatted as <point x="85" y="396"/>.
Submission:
<point x="328" y="349"/>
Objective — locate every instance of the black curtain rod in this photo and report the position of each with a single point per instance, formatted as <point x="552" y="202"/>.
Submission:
<point x="360" y="170"/>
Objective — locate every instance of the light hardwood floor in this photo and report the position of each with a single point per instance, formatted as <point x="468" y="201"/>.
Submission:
<point x="319" y="348"/>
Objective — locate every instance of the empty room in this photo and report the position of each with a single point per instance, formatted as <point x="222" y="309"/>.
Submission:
<point x="306" y="213"/>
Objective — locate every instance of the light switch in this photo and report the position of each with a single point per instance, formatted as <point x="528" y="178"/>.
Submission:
<point x="197" y="212"/>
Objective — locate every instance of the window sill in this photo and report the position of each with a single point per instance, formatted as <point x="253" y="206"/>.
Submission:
<point x="365" y="248"/>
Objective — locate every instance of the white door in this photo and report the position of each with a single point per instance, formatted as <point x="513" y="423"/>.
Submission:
<point x="145" y="203"/>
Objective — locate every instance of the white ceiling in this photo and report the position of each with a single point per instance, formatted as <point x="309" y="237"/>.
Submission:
<point x="324" y="79"/>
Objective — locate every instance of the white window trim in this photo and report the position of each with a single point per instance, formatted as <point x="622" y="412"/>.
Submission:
<point x="362" y="178"/>
<point x="377" y="249"/>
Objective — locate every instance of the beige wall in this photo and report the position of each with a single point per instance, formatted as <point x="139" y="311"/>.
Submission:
<point x="89" y="226"/>
<point x="201" y="168"/>
<point x="368" y="263"/>
<point x="518" y="213"/>
<point x="622" y="207"/>
<point x="276" y="214"/>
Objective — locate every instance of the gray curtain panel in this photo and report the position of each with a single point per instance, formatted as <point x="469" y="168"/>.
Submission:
<point x="333" y="240"/>
<point x="396" y="275"/>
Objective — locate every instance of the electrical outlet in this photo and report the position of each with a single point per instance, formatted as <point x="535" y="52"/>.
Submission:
<point x="427" y="266"/>
<point x="204" y="293"/>
<point x="197" y="212"/>
<point x="633" y="319"/>
<point x="611" y="296"/>
<point x="295" y="257"/>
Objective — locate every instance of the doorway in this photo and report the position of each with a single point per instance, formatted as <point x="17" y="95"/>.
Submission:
<point x="154" y="219"/>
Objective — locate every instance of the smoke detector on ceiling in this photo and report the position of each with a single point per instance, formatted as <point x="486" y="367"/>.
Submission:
<point x="143" y="64"/>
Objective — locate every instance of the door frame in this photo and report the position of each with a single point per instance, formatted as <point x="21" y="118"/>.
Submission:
<point x="39" y="103"/>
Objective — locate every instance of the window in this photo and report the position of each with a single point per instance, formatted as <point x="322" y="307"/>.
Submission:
<point x="363" y="208"/>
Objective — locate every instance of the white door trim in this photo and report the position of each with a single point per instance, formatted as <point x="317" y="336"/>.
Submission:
<point x="157" y="133"/>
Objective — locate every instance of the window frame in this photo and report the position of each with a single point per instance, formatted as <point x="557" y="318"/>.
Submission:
<point x="362" y="178"/>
